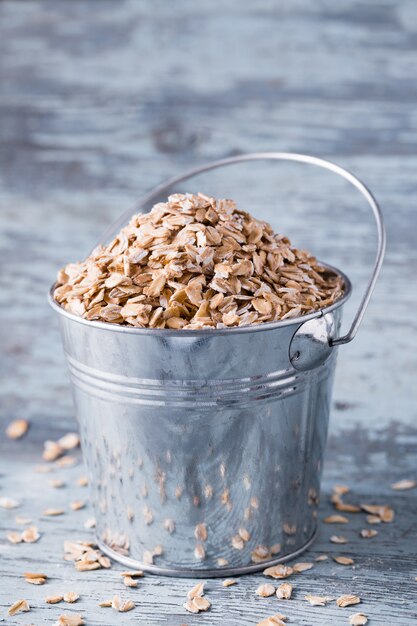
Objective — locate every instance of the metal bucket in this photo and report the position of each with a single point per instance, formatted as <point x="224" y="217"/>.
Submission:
<point x="204" y="448"/>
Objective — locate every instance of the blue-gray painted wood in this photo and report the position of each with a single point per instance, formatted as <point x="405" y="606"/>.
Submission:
<point x="98" y="102"/>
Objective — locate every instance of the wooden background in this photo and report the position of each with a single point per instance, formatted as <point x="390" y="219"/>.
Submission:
<point x="101" y="100"/>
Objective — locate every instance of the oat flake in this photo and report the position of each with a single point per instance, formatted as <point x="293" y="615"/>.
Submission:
<point x="54" y="599"/>
<point x="302" y="567"/>
<point x="71" y="597"/>
<point x="343" y="560"/>
<point x="358" y="619"/>
<point x="17" y="429"/>
<point x="368" y="533"/>
<point x="21" y="606"/>
<point x="347" y="600"/>
<point x="402" y="485"/>
<point x="278" y="571"/>
<point x="338" y="539"/>
<point x="317" y="600"/>
<point x="284" y="591"/>
<point x="265" y="591"/>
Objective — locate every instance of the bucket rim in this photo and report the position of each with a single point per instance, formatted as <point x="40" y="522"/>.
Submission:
<point x="206" y="332"/>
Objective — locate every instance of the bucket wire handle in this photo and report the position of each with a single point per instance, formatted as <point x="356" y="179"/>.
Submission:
<point x="284" y="156"/>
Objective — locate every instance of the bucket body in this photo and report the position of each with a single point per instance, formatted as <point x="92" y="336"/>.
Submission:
<point x="204" y="448"/>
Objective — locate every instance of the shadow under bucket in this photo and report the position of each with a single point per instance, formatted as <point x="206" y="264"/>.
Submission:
<point x="204" y="448"/>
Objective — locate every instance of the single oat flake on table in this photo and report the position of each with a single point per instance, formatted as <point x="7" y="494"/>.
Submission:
<point x="196" y="262"/>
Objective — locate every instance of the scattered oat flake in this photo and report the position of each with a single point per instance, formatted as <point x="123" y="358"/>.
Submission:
<point x="358" y="619"/>
<point x="105" y="604"/>
<point x="129" y="581"/>
<point x="229" y="582"/>
<point x="52" y="451"/>
<point x="54" y="599"/>
<point x="69" y="441"/>
<point x="368" y="533"/>
<point x="9" y="503"/>
<point x="347" y="508"/>
<point x="82" y="566"/>
<point x="343" y="560"/>
<point x="197" y="590"/>
<point x="201" y="603"/>
<point x="274" y="620"/>
<point x="336" y="519"/>
<point x="385" y="512"/>
<point x="71" y="597"/>
<point x="284" y="591"/>
<point x="35" y="579"/>
<point x="17" y="429"/>
<point x="278" y="571"/>
<point x="77" y="505"/>
<point x="373" y="519"/>
<point x="30" y="534"/>
<point x="322" y="557"/>
<point x="265" y="591"/>
<point x="21" y="606"/>
<point x="302" y="567"/>
<point x="244" y="534"/>
<point x="402" y="485"/>
<point x="338" y="539"/>
<point x="222" y="562"/>
<point x="90" y="523"/>
<point x="347" y="600"/>
<point x="82" y="481"/>
<point x="53" y="512"/>
<point x="122" y="605"/>
<point x="317" y="600"/>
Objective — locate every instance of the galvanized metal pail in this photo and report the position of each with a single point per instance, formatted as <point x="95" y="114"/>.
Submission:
<point x="204" y="448"/>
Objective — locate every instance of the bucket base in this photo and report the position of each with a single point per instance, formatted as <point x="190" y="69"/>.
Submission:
<point x="202" y="573"/>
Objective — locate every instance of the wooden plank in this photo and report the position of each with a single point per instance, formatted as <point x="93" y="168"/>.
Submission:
<point x="98" y="105"/>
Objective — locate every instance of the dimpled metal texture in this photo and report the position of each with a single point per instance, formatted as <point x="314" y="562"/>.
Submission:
<point x="204" y="449"/>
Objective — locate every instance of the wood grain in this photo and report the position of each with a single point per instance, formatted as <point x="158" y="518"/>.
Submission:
<point x="98" y="102"/>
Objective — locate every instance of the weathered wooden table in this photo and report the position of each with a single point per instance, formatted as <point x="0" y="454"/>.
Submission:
<point x="98" y="101"/>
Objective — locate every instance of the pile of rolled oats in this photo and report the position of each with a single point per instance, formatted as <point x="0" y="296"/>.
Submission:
<point x="196" y="262"/>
